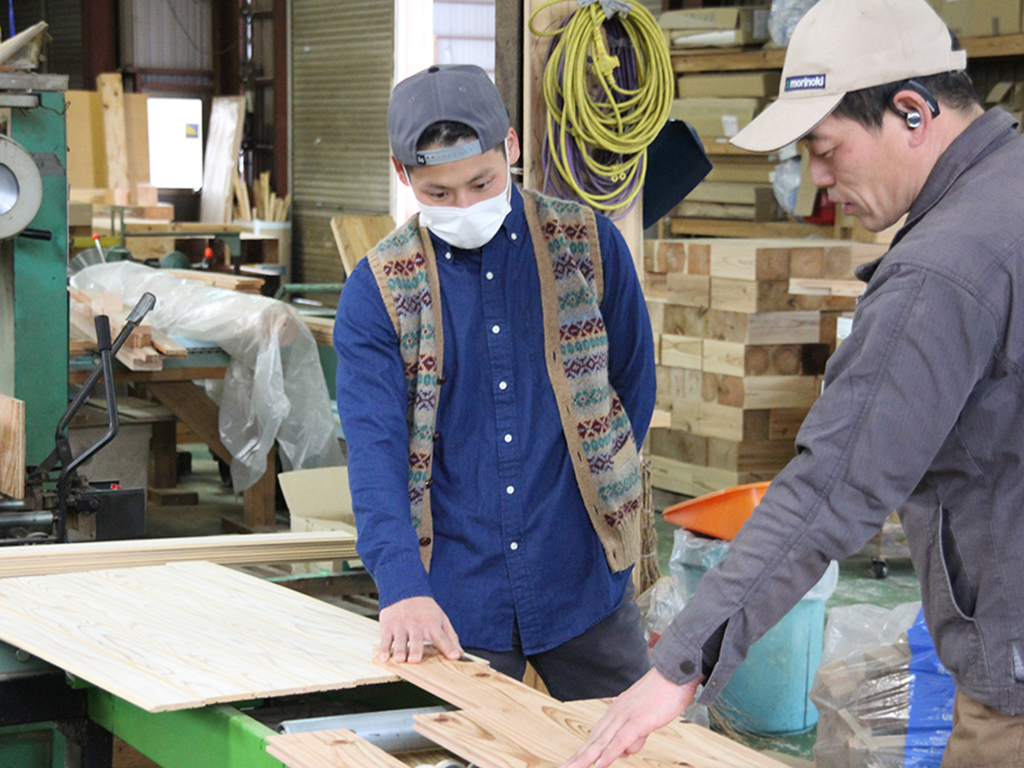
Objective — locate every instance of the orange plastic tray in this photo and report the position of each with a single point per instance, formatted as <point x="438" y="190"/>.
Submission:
<point x="720" y="514"/>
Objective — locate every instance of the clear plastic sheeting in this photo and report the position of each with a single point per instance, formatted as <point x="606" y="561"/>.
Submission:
<point x="883" y="698"/>
<point x="274" y="388"/>
<point x="783" y="18"/>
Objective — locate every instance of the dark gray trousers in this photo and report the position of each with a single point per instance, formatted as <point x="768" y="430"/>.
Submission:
<point x="601" y="663"/>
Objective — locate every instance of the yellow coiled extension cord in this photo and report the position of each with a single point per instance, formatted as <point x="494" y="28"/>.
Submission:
<point x="624" y="122"/>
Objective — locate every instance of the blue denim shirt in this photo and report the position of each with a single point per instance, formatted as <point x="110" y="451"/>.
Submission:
<point x="513" y="543"/>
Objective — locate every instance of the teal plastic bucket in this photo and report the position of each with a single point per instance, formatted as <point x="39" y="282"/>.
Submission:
<point x="768" y="692"/>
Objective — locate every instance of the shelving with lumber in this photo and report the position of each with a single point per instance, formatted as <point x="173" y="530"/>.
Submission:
<point x="740" y="356"/>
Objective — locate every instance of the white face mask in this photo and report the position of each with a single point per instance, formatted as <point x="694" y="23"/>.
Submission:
<point x="470" y="227"/>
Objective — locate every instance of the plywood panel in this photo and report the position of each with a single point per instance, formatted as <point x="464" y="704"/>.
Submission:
<point x="221" y="158"/>
<point x="12" y="447"/>
<point x="187" y="635"/>
<point x="87" y="152"/>
<point x="115" y="136"/>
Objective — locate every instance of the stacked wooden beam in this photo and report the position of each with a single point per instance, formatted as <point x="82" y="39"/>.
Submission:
<point x="143" y="350"/>
<point x="249" y="285"/>
<point x="740" y="357"/>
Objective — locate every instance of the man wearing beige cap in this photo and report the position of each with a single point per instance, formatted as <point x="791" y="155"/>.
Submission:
<point x="923" y="405"/>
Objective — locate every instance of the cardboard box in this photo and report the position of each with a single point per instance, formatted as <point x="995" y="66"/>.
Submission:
<point x="742" y="85"/>
<point x="750" y="19"/>
<point x="716" y="117"/>
<point x="980" y="18"/>
<point x="703" y="27"/>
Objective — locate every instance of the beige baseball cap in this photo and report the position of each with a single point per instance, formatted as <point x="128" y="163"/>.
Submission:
<point x="846" y="45"/>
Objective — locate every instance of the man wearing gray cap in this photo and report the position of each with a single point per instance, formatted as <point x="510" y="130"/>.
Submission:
<point x="923" y="405"/>
<point x="495" y="377"/>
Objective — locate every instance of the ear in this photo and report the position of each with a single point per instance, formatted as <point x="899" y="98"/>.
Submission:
<point x="400" y="170"/>
<point x="512" y="146"/>
<point x="912" y="107"/>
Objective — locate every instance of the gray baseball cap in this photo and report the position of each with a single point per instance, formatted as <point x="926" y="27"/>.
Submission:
<point x="462" y="93"/>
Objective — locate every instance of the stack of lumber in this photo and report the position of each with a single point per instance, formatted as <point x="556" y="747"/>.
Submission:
<point x="259" y="203"/>
<point x="108" y="150"/>
<point x="229" y="282"/>
<point x="740" y="357"/>
<point x="144" y="349"/>
<point x="718" y="106"/>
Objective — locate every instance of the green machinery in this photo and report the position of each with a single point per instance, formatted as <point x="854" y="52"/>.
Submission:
<point x="33" y="256"/>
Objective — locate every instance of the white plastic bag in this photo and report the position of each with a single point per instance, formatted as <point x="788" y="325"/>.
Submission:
<point x="274" y="388"/>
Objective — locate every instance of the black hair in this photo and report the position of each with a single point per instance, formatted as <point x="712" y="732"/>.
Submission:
<point x="447" y="133"/>
<point x="867" y="106"/>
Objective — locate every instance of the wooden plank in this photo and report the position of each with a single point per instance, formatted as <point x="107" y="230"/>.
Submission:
<point x="724" y="192"/>
<point x="356" y="235"/>
<point x="749" y="455"/>
<point x="224" y="140"/>
<point x="194" y="408"/>
<point x="762" y="392"/>
<point x="12" y="447"/>
<point x="322" y="329"/>
<point x="680" y="446"/>
<point x="225" y="550"/>
<point x="749" y="260"/>
<point x="111" y="92"/>
<point x="723" y="357"/>
<point x="87" y="152"/>
<point x="823" y="287"/>
<point x="693" y="480"/>
<point x="329" y="749"/>
<point x="729" y="61"/>
<point x="688" y="290"/>
<point x="754" y="229"/>
<point x="466" y="682"/>
<point x="497" y="711"/>
<point x="185" y="635"/>
<point x="680" y="351"/>
<point x="136" y="123"/>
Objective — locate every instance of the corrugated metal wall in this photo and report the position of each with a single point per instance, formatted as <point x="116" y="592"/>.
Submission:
<point x="63" y="52"/>
<point x="464" y="31"/>
<point x="342" y="67"/>
<point x="159" y="34"/>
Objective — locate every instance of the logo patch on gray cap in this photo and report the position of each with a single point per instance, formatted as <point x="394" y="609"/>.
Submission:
<point x="805" y="83"/>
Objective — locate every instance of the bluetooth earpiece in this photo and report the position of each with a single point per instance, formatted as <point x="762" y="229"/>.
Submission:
<point x="913" y="117"/>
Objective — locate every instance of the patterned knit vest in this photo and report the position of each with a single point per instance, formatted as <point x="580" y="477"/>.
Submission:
<point x="595" y="424"/>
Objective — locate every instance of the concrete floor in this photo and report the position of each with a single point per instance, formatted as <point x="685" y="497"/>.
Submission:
<point x="857" y="582"/>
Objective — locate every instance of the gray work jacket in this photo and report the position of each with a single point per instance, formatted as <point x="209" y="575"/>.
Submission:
<point x="923" y="410"/>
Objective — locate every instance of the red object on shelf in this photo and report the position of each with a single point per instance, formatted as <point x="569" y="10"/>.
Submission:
<point x="824" y="210"/>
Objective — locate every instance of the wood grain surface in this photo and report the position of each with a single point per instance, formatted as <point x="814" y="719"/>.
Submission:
<point x="187" y="635"/>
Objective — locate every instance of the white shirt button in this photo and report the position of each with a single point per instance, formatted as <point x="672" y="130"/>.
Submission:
<point x="514" y="546"/>
<point x="510" y="490"/>
<point x="502" y="385"/>
<point x="448" y="255"/>
<point x="495" y="328"/>
<point x="490" y="275"/>
<point x="508" y="438"/>
<point x="514" y="236"/>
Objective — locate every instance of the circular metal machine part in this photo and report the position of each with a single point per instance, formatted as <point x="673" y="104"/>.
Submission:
<point x="21" y="188"/>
